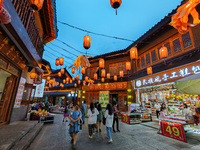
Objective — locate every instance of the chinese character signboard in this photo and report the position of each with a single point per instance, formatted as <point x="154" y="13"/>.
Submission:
<point x="104" y="98"/>
<point x="125" y="118"/>
<point x="169" y="75"/>
<point x="40" y="89"/>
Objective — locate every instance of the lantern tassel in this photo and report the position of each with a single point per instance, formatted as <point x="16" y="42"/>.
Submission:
<point x="116" y="11"/>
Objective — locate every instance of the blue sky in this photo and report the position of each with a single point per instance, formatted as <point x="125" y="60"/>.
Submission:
<point x="135" y="17"/>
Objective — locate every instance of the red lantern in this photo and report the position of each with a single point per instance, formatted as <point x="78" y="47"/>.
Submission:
<point x="70" y="81"/>
<point x="36" y="4"/>
<point x="77" y="76"/>
<point x="103" y="73"/>
<point x="48" y="78"/>
<point x="121" y="73"/>
<point x="163" y="52"/>
<point x="67" y="79"/>
<point x="59" y="74"/>
<point x="57" y="62"/>
<point x="101" y="63"/>
<point x="128" y="66"/>
<point x="149" y="70"/>
<point x="73" y="79"/>
<point x="108" y="75"/>
<point x="102" y="79"/>
<point x="86" y="78"/>
<point x="75" y="85"/>
<point x="50" y="85"/>
<point x="33" y="75"/>
<point x="73" y="70"/>
<point x="5" y="17"/>
<point x="62" y="71"/>
<point x="115" y="3"/>
<point x="84" y="83"/>
<point x="83" y="70"/>
<point x="115" y="78"/>
<point x="64" y="81"/>
<point x="61" y="60"/>
<point x="60" y="84"/>
<point x="79" y="81"/>
<point x="95" y="76"/>
<point x="86" y="41"/>
<point x="134" y="53"/>
<point x="57" y="83"/>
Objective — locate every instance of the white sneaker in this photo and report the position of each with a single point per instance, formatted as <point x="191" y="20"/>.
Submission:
<point x="94" y="134"/>
<point x="110" y="141"/>
<point x="90" y="137"/>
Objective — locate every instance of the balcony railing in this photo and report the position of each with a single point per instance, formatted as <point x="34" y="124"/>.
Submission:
<point x="26" y="15"/>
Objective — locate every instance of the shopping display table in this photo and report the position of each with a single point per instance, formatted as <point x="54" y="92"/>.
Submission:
<point x="45" y="119"/>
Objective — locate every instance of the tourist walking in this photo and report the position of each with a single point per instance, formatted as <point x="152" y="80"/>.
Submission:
<point x="75" y="116"/>
<point x="65" y="113"/>
<point x="157" y="106"/>
<point x="92" y="119"/>
<point x="109" y="121"/>
<point x="83" y="111"/>
<point x="116" y="119"/>
<point x="99" y="118"/>
<point x="162" y="116"/>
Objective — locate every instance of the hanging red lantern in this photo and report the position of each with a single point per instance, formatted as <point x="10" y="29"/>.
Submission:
<point x="33" y="75"/>
<point x="5" y="17"/>
<point x="128" y="66"/>
<point x="86" y="78"/>
<point x="79" y="81"/>
<point x="95" y="76"/>
<point x="115" y="4"/>
<point x="57" y="62"/>
<point x="57" y="83"/>
<point x="84" y="83"/>
<point x="36" y="4"/>
<point x="48" y="78"/>
<point x="73" y="70"/>
<point x="121" y="73"/>
<point x="73" y="78"/>
<point x="60" y="84"/>
<point x="163" y="52"/>
<point x="59" y="74"/>
<point x="70" y="81"/>
<point x="67" y="79"/>
<point x="62" y="71"/>
<point x="77" y="76"/>
<point x="50" y="85"/>
<point x="102" y="79"/>
<point x="67" y="82"/>
<point x="86" y="41"/>
<point x="108" y="75"/>
<point x="149" y="70"/>
<point x="134" y="53"/>
<point x="75" y="85"/>
<point x="64" y="81"/>
<point x="101" y="63"/>
<point x="115" y="78"/>
<point x="83" y="70"/>
<point x="103" y="73"/>
<point x="61" y="60"/>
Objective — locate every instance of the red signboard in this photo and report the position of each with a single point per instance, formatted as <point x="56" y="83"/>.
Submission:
<point x="173" y="130"/>
<point x="125" y="118"/>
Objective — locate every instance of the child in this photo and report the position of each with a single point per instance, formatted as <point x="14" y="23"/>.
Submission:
<point x="65" y="113"/>
<point x="162" y="116"/>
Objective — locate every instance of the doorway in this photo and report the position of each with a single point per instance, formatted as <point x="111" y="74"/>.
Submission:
<point x="115" y="98"/>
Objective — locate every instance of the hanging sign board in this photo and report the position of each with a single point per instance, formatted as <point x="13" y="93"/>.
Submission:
<point x="40" y="89"/>
<point x="104" y="98"/>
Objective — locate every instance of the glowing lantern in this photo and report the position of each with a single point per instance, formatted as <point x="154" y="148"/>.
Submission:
<point x="108" y="75"/>
<point x="62" y="71"/>
<point x="36" y="4"/>
<point x="134" y="53"/>
<point x="57" y="62"/>
<point x="67" y="79"/>
<point x="5" y="17"/>
<point x="60" y="84"/>
<point x="75" y="85"/>
<point x="73" y="70"/>
<point x="77" y="76"/>
<point x="84" y="83"/>
<point x="86" y="78"/>
<point x="103" y="73"/>
<point x="121" y="73"/>
<point x="48" y="78"/>
<point x="83" y="70"/>
<point x="67" y="82"/>
<point x="95" y="76"/>
<point x="57" y="83"/>
<point x="115" y="78"/>
<point x="50" y="85"/>
<point x="79" y="81"/>
<point x="149" y="70"/>
<point x="101" y="63"/>
<point x="64" y="81"/>
<point x="59" y="74"/>
<point x="61" y="60"/>
<point x="73" y="78"/>
<point x="115" y="4"/>
<point x="70" y="81"/>
<point x="33" y="75"/>
<point x="128" y="66"/>
<point x="102" y="79"/>
<point x="86" y="41"/>
<point x="163" y="52"/>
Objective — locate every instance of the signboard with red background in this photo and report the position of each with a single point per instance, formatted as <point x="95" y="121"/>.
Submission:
<point x="125" y="118"/>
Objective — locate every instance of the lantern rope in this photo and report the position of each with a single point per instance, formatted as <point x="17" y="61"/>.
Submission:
<point x="108" y="36"/>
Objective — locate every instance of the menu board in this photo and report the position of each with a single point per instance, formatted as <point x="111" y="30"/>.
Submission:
<point x="20" y="92"/>
<point x="40" y="89"/>
<point x="104" y="98"/>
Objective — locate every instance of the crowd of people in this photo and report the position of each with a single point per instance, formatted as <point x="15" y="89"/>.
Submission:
<point x="96" y="116"/>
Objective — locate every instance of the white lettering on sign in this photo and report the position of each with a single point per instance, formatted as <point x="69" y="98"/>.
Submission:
<point x="181" y="73"/>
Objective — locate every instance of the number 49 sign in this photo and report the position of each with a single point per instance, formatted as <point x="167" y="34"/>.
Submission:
<point x="173" y="130"/>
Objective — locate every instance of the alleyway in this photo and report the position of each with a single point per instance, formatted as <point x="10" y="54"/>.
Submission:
<point x="138" y="137"/>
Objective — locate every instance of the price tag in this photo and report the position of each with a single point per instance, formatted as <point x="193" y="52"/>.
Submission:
<point x="125" y="118"/>
<point x="173" y="130"/>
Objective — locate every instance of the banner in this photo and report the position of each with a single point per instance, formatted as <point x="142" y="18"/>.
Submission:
<point x="40" y="89"/>
<point x="104" y="98"/>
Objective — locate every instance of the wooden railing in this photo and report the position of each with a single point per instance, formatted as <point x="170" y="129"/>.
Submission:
<point x="26" y="15"/>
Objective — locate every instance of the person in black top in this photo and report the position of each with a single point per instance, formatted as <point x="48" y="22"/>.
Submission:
<point x="116" y="111"/>
<point x="66" y="113"/>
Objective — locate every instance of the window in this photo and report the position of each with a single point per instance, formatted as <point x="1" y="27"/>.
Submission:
<point x="158" y="52"/>
<point x="111" y="70"/>
<point x="138" y="63"/>
<point x="143" y="61"/>
<point x="153" y="55"/>
<point x="168" y="48"/>
<point x="114" y="69"/>
<point x="148" y="58"/>
<point x="3" y="63"/>
<point x="119" y="68"/>
<point x="177" y="45"/>
<point x="13" y="70"/>
<point x="124" y="67"/>
<point x="186" y="40"/>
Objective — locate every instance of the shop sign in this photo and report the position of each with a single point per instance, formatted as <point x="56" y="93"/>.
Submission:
<point x="40" y="89"/>
<point x="125" y="118"/>
<point x="104" y="98"/>
<point x="169" y="76"/>
<point x="173" y="130"/>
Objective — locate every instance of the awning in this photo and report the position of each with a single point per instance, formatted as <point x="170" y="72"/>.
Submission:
<point x="189" y="85"/>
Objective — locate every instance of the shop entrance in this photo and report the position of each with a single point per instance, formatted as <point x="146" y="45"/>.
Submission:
<point x="115" y="98"/>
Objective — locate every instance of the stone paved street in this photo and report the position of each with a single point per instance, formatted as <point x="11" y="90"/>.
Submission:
<point x="138" y="137"/>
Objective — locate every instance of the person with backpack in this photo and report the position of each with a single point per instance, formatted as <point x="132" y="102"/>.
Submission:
<point x="83" y="111"/>
<point x="109" y="121"/>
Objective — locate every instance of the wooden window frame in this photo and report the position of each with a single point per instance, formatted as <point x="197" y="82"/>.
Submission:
<point x="123" y="62"/>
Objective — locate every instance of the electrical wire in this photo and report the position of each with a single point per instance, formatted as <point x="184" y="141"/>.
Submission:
<point x="99" y="34"/>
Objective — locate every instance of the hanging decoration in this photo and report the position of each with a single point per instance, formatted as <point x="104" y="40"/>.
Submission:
<point x="57" y="62"/>
<point x="108" y="75"/>
<point x="57" y="83"/>
<point x="102" y="79"/>
<point x="64" y="81"/>
<point x="115" y="78"/>
<point x="86" y="78"/>
<point x="83" y="70"/>
<point x="181" y="18"/>
<point x="84" y="83"/>
<point x="133" y="53"/>
<point x="36" y="4"/>
<point x="48" y="78"/>
<point x="61" y="60"/>
<point x="73" y="70"/>
<point x="77" y="76"/>
<point x="101" y="63"/>
<point x="79" y="81"/>
<point x="103" y="73"/>
<point x="33" y="75"/>
<point x="115" y="4"/>
<point x="121" y="73"/>
<point x="67" y="79"/>
<point x="73" y="78"/>
<point x="5" y="17"/>
<point x="95" y="76"/>
<point x="59" y="74"/>
<point x="163" y="52"/>
<point x="62" y="71"/>
<point x="81" y="61"/>
<point x="75" y="85"/>
<point x="86" y="41"/>
<point x="149" y="70"/>
<point x="128" y="66"/>
<point x="70" y="81"/>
